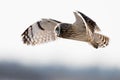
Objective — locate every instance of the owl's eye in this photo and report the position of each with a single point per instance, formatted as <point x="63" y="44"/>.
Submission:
<point x="57" y="30"/>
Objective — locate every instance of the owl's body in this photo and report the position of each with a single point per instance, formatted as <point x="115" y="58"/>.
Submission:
<point x="67" y="31"/>
<point x="83" y="29"/>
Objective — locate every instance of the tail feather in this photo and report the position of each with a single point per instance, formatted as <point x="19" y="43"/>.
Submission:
<point x="99" y="40"/>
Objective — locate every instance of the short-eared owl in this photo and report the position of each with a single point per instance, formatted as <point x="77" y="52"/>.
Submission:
<point x="83" y="29"/>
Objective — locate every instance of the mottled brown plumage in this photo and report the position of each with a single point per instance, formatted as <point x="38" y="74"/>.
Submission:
<point x="83" y="29"/>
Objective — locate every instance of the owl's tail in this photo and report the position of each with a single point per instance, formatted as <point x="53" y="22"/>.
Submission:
<point x="99" y="40"/>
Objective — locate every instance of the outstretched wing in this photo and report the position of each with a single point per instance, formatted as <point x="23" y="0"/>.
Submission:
<point x="40" y="32"/>
<point x="91" y="24"/>
<point x="81" y="25"/>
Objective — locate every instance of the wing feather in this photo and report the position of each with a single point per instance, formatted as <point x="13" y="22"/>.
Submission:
<point x="82" y="25"/>
<point x="91" y="24"/>
<point x="40" y="32"/>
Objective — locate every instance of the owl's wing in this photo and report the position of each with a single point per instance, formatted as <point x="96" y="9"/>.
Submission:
<point x="81" y="25"/>
<point x="40" y="32"/>
<point x="90" y="23"/>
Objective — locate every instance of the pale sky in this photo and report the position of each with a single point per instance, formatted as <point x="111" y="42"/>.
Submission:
<point x="17" y="15"/>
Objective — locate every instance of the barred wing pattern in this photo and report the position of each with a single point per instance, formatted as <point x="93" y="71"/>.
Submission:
<point x="83" y="29"/>
<point x="97" y="40"/>
<point x="40" y="32"/>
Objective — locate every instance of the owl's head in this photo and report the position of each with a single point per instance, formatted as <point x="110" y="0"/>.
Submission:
<point x="62" y="29"/>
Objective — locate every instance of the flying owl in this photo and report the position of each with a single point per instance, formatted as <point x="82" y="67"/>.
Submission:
<point x="83" y="29"/>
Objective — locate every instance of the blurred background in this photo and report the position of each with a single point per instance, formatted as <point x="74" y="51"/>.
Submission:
<point x="61" y="59"/>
